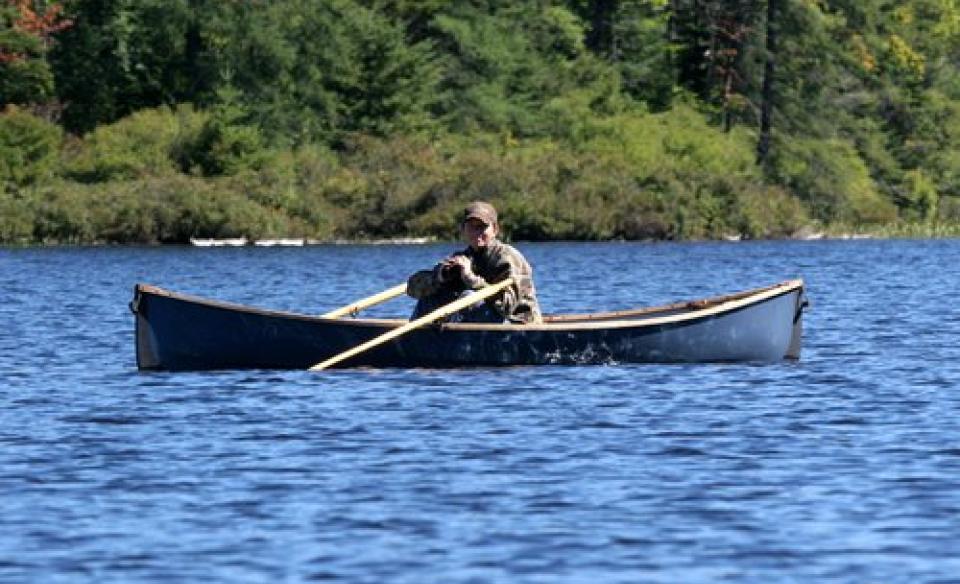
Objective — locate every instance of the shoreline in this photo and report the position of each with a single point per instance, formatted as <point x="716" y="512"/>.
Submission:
<point x="242" y="242"/>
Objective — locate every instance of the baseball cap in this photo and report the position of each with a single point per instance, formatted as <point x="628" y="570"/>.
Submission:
<point x="480" y="210"/>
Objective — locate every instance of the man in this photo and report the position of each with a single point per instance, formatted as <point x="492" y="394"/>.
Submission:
<point x="486" y="261"/>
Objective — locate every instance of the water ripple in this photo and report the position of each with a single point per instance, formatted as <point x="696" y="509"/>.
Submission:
<point x="839" y="468"/>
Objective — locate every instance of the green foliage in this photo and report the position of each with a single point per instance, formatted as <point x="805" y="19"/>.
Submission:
<point x="148" y="143"/>
<point x="25" y="75"/>
<point x="921" y="196"/>
<point x="29" y="147"/>
<point x="502" y="68"/>
<point x="155" y="209"/>
<point x="581" y="119"/>
<point x="645" y="53"/>
<point x="362" y="76"/>
<point x="227" y="143"/>
<point x="121" y="56"/>
<point x="833" y="180"/>
<point x="24" y="81"/>
<point x="16" y="219"/>
<point x="949" y="211"/>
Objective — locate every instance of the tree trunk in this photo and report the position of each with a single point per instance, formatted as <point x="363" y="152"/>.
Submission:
<point x="766" y="105"/>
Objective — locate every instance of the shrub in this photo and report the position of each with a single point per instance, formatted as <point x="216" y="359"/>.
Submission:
<point x="391" y="182"/>
<point x="16" y="219"/>
<point x="29" y="147"/>
<point x="920" y="194"/>
<point x="833" y="180"/>
<point x="62" y="213"/>
<point x="228" y="141"/>
<point x="150" y="142"/>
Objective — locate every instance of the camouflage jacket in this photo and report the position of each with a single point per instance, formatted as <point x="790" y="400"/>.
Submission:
<point x="494" y="263"/>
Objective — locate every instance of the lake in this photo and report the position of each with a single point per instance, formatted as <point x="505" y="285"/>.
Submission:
<point x="842" y="467"/>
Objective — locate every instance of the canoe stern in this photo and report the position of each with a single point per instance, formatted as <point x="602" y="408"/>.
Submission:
<point x="796" y="339"/>
<point x="146" y="341"/>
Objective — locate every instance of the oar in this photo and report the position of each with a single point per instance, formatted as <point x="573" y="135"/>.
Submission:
<point x="445" y="310"/>
<point x="368" y="302"/>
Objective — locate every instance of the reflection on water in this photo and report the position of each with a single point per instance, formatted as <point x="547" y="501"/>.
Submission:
<point x="841" y="467"/>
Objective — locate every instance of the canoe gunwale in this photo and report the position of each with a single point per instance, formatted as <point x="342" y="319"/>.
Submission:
<point x="644" y="316"/>
<point x="640" y="317"/>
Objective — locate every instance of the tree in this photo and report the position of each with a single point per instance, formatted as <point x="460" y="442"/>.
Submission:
<point x="634" y="37"/>
<point x="315" y="70"/>
<point x="122" y="56"/>
<point x="26" y="33"/>
<point x="769" y="70"/>
<point x="512" y="70"/>
<point x="28" y="147"/>
<point x="717" y="39"/>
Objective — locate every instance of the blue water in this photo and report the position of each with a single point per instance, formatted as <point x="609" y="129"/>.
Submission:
<point x="844" y="467"/>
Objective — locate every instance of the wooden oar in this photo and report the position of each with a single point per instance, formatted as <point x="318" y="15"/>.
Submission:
<point x="368" y="302"/>
<point x="445" y="310"/>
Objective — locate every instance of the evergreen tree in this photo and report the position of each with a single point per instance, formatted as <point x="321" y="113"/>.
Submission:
<point x="121" y="56"/>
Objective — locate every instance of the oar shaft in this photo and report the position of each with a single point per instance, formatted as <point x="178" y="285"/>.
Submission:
<point x="441" y="312"/>
<point x="368" y="302"/>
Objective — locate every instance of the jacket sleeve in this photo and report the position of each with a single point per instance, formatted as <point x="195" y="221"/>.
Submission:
<point x="428" y="282"/>
<point x="506" y="301"/>
<point x="422" y="284"/>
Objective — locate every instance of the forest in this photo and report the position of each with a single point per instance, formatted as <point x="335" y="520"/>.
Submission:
<point x="154" y="121"/>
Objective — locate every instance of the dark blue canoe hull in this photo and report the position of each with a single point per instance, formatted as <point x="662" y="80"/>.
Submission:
<point x="180" y="332"/>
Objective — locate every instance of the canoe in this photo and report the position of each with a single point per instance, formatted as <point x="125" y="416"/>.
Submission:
<point x="177" y="332"/>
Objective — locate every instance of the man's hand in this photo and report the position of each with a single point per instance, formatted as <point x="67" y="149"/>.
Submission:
<point x="452" y="268"/>
<point x="463" y="264"/>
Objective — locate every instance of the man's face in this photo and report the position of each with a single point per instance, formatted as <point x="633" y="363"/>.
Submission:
<point x="477" y="234"/>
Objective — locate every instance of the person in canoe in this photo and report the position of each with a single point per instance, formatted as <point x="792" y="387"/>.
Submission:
<point x="485" y="261"/>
